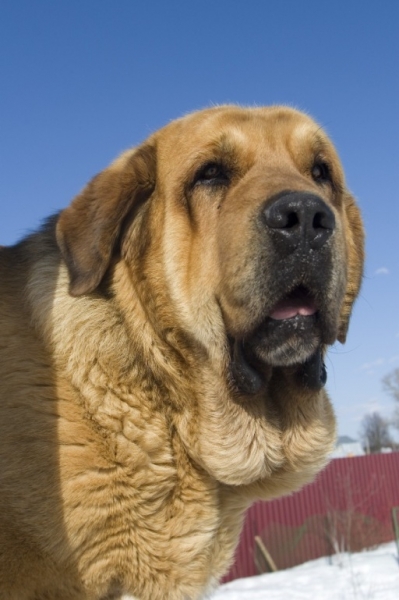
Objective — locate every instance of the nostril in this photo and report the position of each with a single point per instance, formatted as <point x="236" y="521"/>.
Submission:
<point x="292" y="220"/>
<point x="281" y="217"/>
<point x="323" y="220"/>
<point x="317" y="221"/>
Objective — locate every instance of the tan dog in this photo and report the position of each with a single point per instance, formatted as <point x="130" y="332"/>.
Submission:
<point x="161" y="356"/>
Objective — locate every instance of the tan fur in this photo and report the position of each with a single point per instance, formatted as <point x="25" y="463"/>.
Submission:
<point x="127" y="454"/>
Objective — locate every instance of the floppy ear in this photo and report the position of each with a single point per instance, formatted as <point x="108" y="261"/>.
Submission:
<point x="355" y="256"/>
<point x="88" y="230"/>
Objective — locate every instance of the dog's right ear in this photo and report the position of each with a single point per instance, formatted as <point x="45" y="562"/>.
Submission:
<point x="88" y="230"/>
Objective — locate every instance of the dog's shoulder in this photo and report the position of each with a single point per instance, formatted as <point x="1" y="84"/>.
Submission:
<point x="17" y="260"/>
<point x="29" y="264"/>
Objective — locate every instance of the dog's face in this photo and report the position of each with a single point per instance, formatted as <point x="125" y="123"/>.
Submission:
<point x="260" y="196"/>
<point x="237" y="227"/>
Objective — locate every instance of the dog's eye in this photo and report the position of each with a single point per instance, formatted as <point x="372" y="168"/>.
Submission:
<point x="211" y="174"/>
<point x="321" y="172"/>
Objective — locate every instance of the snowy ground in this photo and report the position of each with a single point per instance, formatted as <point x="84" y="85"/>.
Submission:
<point x="370" y="575"/>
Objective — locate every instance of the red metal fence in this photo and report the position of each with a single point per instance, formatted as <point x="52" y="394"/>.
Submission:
<point x="348" y="507"/>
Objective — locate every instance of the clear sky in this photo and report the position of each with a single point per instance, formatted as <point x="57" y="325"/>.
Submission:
<point x="82" y="80"/>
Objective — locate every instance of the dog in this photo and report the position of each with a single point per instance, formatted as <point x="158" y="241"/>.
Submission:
<point x="162" y="355"/>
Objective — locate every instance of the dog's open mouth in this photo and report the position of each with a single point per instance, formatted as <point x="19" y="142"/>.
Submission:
<point x="289" y="335"/>
<point x="299" y="302"/>
<point x="291" y="332"/>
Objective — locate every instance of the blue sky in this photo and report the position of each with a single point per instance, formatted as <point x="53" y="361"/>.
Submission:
<point x="83" y="80"/>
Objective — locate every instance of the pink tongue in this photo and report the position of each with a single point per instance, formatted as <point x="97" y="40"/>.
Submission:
<point x="291" y="307"/>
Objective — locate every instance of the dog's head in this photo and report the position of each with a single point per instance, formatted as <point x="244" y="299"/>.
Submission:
<point x="240" y="222"/>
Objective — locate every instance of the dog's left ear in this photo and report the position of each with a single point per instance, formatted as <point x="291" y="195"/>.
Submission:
<point x="88" y="230"/>
<point x="355" y="257"/>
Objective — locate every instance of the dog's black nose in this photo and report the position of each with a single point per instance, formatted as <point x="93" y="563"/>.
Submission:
<point x="297" y="219"/>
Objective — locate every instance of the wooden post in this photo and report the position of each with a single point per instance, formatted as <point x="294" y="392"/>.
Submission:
<point x="395" y="519"/>
<point x="265" y="553"/>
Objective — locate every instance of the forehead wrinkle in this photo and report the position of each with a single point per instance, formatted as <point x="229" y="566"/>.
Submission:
<point x="320" y="142"/>
<point x="226" y="144"/>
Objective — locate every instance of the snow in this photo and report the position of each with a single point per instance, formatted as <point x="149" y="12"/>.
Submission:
<point x="372" y="575"/>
